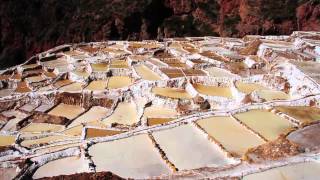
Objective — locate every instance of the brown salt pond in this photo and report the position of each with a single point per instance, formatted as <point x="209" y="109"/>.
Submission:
<point x="61" y="83"/>
<point x="249" y="87"/>
<point x="147" y="74"/>
<point x="125" y="113"/>
<point x="127" y="158"/>
<point x="174" y="93"/>
<point x="23" y="87"/>
<point x="156" y="121"/>
<point x="213" y="90"/>
<point x="265" y="123"/>
<point x="119" y="82"/>
<point x="231" y="134"/>
<point x="58" y="167"/>
<point x="6" y="92"/>
<point x="93" y="132"/>
<point x="98" y="85"/>
<point x="187" y="148"/>
<point x="173" y="73"/>
<point x="6" y="140"/>
<point x="66" y="110"/>
<point x="303" y="114"/>
<point x="305" y="170"/>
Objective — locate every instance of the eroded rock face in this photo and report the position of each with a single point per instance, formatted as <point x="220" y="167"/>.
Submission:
<point x="31" y="27"/>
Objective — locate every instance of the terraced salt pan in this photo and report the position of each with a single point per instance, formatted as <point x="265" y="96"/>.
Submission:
<point x="145" y="73"/>
<point x="249" y="87"/>
<point x="265" y="123"/>
<point x="42" y="127"/>
<point x="6" y="140"/>
<point x="8" y="173"/>
<point x="301" y="171"/>
<point x="174" y="93"/>
<point x="98" y="85"/>
<point x="119" y="82"/>
<point x="133" y="157"/>
<point x="125" y="113"/>
<point x="270" y="95"/>
<point x="94" y="114"/>
<point x="233" y="136"/>
<point x="187" y="148"/>
<point x="301" y="113"/>
<point x="66" y="110"/>
<point x="72" y="87"/>
<point x="213" y="90"/>
<point x="156" y="121"/>
<point x="58" y="167"/>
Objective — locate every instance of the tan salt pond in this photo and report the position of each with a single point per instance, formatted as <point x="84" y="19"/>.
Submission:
<point x="125" y="113"/>
<point x="300" y="171"/>
<point x="159" y="112"/>
<point x="82" y="73"/>
<point x="270" y="95"/>
<point x="249" y="87"/>
<point x="302" y="113"/>
<point x="66" y="110"/>
<point x="233" y="136"/>
<point x="6" y="140"/>
<point x="175" y="93"/>
<point x="58" y="167"/>
<point x="73" y="131"/>
<point x="265" y="123"/>
<point x="119" y="64"/>
<point x="56" y="148"/>
<point x="218" y="72"/>
<point x="187" y="148"/>
<point x="94" y="114"/>
<point x="72" y="87"/>
<point x="119" y="82"/>
<point x="43" y="140"/>
<point x="98" y="85"/>
<point x="145" y="73"/>
<point x="213" y="90"/>
<point x="42" y="127"/>
<point x="99" y="67"/>
<point x="133" y="157"/>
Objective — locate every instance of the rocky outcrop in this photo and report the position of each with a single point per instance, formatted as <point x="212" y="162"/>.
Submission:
<point x="29" y="27"/>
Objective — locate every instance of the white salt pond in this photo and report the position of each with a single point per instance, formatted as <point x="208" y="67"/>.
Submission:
<point x="133" y="157"/>
<point x="64" y="166"/>
<point x="187" y="148"/>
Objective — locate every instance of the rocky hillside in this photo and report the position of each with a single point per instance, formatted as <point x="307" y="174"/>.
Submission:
<point x="31" y="26"/>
